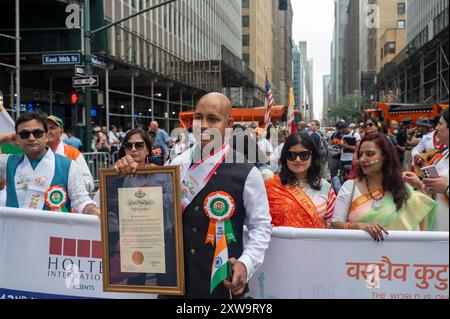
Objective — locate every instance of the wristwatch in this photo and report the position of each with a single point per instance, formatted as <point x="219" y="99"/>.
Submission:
<point x="446" y="192"/>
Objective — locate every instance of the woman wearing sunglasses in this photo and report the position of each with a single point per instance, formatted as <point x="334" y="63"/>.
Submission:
<point x="298" y="196"/>
<point x="135" y="153"/>
<point x="373" y="126"/>
<point x="379" y="200"/>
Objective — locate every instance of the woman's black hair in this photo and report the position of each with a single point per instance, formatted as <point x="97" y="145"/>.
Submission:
<point x="144" y="136"/>
<point x="314" y="171"/>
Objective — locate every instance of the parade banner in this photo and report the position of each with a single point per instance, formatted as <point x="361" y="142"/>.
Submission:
<point x="57" y="255"/>
<point x="51" y="255"/>
<point x="347" y="264"/>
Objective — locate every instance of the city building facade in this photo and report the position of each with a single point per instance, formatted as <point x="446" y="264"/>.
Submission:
<point x="151" y="67"/>
<point x="282" y="56"/>
<point x="257" y="48"/>
<point x="326" y="120"/>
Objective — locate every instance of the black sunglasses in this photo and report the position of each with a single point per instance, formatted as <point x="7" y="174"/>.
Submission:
<point x="139" y="146"/>
<point x="24" y="134"/>
<point x="370" y="125"/>
<point x="304" y="156"/>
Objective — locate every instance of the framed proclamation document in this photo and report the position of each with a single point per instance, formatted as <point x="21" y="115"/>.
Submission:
<point x="142" y="231"/>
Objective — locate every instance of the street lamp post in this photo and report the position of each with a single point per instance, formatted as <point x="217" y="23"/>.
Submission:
<point x="18" y="58"/>
<point x="87" y="101"/>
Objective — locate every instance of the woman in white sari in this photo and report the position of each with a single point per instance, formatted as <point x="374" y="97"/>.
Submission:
<point x="379" y="200"/>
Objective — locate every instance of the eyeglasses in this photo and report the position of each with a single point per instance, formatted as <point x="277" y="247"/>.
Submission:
<point x="24" y="134"/>
<point x="139" y="146"/>
<point x="304" y="156"/>
<point x="370" y="125"/>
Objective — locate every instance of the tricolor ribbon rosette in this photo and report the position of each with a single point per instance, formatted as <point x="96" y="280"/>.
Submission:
<point x="219" y="207"/>
<point x="55" y="197"/>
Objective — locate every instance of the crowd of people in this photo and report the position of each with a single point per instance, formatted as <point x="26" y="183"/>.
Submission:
<point x="366" y="177"/>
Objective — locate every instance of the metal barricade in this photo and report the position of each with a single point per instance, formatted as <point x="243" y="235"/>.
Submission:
<point x="95" y="161"/>
<point x="114" y="157"/>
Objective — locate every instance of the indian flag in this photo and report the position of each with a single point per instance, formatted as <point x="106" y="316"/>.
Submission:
<point x="6" y="122"/>
<point x="220" y="264"/>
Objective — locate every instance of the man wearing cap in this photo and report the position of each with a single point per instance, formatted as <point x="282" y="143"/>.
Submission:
<point x="55" y="131"/>
<point x="428" y="143"/>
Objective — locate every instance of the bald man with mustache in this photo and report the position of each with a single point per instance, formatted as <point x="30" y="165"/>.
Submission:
<point x="232" y="194"/>
<point x="220" y="193"/>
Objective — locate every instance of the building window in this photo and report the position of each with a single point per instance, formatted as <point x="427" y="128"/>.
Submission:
<point x="245" y="40"/>
<point x="389" y="48"/>
<point x="401" y="8"/>
<point x="246" y="58"/>
<point x="245" y="3"/>
<point x="401" y="24"/>
<point x="245" y="21"/>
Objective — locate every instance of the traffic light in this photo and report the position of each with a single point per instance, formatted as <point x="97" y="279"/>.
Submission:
<point x="74" y="99"/>
<point x="283" y="5"/>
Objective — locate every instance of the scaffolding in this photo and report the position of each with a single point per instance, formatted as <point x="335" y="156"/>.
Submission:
<point x="416" y="76"/>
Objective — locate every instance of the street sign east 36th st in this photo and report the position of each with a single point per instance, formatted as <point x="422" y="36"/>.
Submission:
<point x="61" y="58"/>
<point x="85" y="81"/>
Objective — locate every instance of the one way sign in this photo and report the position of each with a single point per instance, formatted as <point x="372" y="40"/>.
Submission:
<point x="84" y="81"/>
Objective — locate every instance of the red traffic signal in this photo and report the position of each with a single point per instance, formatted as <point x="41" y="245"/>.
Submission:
<point x="74" y="98"/>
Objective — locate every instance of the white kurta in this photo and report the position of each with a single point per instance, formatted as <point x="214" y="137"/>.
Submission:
<point x="425" y="145"/>
<point x="83" y="167"/>
<point x="41" y="177"/>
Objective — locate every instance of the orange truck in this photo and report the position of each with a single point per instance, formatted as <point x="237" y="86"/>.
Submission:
<point x="390" y="111"/>
<point x="243" y="115"/>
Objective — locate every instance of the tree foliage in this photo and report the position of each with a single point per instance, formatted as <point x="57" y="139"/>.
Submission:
<point x="350" y="108"/>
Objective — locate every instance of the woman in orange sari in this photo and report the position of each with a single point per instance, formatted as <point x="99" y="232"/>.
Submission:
<point x="298" y="196"/>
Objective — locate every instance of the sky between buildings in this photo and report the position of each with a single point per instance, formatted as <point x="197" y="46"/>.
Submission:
<point x="313" y="22"/>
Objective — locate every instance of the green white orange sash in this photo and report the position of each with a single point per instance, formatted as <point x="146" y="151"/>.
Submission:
<point x="218" y="206"/>
<point x="32" y="184"/>
<point x="195" y="177"/>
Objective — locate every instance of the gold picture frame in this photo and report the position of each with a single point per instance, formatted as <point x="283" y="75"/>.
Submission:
<point x="142" y="231"/>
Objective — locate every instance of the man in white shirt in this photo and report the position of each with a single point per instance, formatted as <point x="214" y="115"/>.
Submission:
<point x="348" y="149"/>
<point x="220" y="185"/>
<point x="264" y="145"/>
<point x="428" y="143"/>
<point x="40" y="179"/>
<point x="113" y="139"/>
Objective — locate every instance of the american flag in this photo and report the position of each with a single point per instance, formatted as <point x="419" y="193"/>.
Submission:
<point x="268" y="103"/>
